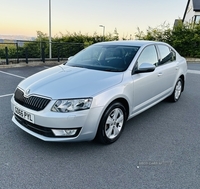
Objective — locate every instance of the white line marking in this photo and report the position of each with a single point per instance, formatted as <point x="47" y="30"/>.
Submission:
<point x="1" y="96"/>
<point x="193" y="71"/>
<point x="12" y="74"/>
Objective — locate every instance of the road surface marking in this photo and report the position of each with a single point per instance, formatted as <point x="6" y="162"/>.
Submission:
<point x="12" y="75"/>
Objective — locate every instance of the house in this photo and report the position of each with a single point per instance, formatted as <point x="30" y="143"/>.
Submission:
<point x="192" y="12"/>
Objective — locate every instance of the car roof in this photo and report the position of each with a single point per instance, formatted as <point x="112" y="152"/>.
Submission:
<point x="130" y="42"/>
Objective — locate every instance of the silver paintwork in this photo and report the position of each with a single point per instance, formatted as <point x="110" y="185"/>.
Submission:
<point x="139" y="90"/>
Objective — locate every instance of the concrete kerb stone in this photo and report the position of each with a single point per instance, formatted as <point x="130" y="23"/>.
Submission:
<point x="31" y="64"/>
<point x="193" y="60"/>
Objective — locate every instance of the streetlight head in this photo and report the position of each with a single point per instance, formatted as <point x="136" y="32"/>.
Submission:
<point x="103" y="31"/>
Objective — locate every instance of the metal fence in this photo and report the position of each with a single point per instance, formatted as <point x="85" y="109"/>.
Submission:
<point x="27" y="51"/>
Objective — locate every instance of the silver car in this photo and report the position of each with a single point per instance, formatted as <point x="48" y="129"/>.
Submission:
<point x="95" y="92"/>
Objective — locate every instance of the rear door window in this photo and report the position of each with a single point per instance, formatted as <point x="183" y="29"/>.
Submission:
<point x="166" y="54"/>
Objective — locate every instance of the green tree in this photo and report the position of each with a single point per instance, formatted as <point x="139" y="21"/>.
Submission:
<point x="185" y="38"/>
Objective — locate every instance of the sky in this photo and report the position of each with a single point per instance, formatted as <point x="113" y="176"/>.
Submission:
<point x="26" y="17"/>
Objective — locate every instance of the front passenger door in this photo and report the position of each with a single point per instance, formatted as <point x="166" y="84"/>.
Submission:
<point x="146" y="85"/>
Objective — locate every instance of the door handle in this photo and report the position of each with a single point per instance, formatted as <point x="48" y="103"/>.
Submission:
<point x="159" y="74"/>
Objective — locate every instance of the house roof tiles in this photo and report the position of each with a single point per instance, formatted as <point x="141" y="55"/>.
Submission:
<point x="196" y="7"/>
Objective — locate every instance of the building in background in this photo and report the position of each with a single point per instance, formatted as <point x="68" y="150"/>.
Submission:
<point x="192" y="12"/>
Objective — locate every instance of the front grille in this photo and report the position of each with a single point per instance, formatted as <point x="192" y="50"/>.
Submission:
<point x="33" y="102"/>
<point x="35" y="128"/>
<point x="41" y="130"/>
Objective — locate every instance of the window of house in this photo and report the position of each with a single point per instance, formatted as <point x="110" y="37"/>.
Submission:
<point x="193" y="19"/>
<point x="197" y="19"/>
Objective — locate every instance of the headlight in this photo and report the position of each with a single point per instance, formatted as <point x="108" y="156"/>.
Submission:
<point x="71" y="105"/>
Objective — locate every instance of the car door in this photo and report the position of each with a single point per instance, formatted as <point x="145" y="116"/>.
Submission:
<point x="146" y="86"/>
<point x="167" y="68"/>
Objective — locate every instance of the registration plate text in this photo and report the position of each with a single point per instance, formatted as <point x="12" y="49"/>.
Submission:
<point x="23" y="114"/>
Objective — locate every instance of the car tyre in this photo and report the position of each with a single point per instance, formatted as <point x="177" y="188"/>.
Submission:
<point x="112" y="123"/>
<point x="174" y="97"/>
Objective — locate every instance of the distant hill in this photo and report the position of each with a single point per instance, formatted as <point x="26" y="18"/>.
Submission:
<point x="16" y="37"/>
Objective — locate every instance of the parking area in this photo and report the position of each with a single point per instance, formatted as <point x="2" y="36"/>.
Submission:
<point x="159" y="148"/>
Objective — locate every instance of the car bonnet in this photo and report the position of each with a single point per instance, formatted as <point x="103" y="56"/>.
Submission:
<point x="62" y="82"/>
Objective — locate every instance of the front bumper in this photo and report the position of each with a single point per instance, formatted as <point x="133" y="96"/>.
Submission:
<point x="86" y="122"/>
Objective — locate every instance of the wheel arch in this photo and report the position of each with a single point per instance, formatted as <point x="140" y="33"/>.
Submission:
<point x="100" y="134"/>
<point x="183" y="80"/>
<point x="124" y="102"/>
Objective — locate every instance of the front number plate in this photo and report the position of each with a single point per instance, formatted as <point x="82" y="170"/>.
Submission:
<point x="23" y="114"/>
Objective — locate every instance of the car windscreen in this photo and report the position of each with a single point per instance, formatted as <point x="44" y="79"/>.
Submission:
<point x="114" y="58"/>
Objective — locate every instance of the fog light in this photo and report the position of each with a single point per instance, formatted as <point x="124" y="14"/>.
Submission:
<point x="66" y="132"/>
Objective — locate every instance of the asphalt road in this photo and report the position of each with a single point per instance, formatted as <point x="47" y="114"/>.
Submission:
<point x="159" y="149"/>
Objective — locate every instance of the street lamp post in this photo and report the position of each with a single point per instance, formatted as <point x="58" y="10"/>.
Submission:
<point x="103" y="31"/>
<point x="50" y="56"/>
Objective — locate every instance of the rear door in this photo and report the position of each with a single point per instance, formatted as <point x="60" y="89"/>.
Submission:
<point x="167" y="68"/>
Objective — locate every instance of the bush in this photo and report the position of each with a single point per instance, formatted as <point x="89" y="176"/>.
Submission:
<point x="185" y="38"/>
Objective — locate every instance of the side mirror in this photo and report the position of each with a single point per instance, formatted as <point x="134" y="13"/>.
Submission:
<point x="145" y="67"/>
